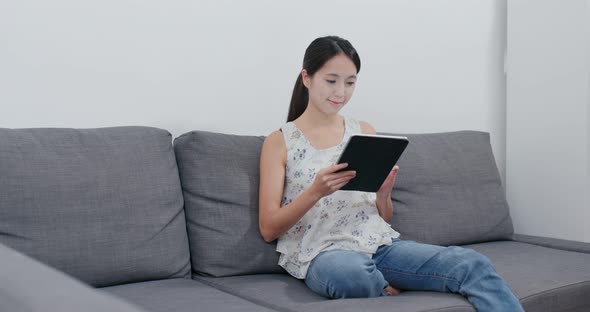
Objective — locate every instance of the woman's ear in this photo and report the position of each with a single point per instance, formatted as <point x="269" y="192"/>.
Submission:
<point x="305" y="78"/>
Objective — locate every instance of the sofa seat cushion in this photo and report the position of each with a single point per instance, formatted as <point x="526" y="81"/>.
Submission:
<point x="544" y="279"/>
<point x="180" y="295"/>
<point x="285" y="293"/>
<point x="103" y="205"/>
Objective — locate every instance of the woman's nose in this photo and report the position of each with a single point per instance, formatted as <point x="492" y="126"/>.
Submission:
<point x="339" y="90"/>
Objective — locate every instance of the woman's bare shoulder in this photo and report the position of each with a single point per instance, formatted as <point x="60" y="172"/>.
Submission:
<point x="275" y="139"/>
<point x="274" y="143"/>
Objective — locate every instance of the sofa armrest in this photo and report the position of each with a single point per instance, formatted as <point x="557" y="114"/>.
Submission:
<point x="555" y="243"/>
<point x="29" y="285"/>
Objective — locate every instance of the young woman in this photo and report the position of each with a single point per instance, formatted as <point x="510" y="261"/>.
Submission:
<point x="340" y="242"/>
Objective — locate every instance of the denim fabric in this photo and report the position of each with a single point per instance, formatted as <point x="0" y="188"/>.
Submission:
<point x="408" y="265"/>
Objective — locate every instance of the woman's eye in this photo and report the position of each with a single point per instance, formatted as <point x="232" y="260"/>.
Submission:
<point x="331" y="81"/>
<point x="350" y="83"/>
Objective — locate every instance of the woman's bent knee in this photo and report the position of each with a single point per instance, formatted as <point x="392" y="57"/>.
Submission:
<point x="469" y="264"/>
<point x="345" y="274"/>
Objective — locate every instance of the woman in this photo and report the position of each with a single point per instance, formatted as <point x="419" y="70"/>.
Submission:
<point x="340" y="242"/>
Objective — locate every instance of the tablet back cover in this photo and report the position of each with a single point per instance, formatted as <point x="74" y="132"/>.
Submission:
<point x="372" y="157"/>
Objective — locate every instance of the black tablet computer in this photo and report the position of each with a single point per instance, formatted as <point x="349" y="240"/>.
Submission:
<point x="373" y="157"/>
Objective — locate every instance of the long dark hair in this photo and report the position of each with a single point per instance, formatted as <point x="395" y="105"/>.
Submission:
<point x="316" y="55"/>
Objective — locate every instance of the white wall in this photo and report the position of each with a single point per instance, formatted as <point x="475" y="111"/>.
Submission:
<point x="548" y="103"/>
<point x="229" y="66"/>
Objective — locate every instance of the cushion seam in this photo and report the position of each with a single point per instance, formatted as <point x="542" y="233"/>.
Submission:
<point x="554" y="289"/>
<point x="446" y="308"/>
<point x="549" y="245"/>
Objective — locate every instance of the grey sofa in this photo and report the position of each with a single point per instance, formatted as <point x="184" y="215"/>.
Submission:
<point x="126" y="219"/>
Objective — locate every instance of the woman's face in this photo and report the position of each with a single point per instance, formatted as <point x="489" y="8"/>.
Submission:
<point x="331" y="86"/>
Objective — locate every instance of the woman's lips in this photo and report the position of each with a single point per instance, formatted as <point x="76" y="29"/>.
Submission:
<point x="335" y="103"/>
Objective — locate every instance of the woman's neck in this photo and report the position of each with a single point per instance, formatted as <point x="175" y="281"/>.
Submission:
<point x="315" y="119"/>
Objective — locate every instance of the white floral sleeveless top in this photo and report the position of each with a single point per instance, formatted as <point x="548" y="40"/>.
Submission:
<point x="342" y="220"/>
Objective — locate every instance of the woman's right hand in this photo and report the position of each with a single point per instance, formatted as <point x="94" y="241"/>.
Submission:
<point x="328" y="181"/>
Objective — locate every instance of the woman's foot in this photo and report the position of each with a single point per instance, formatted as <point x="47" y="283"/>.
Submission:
<point x="391" y="291"/>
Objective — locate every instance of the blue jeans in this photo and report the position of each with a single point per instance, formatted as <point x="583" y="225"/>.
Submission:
<point x="411" y="266"/>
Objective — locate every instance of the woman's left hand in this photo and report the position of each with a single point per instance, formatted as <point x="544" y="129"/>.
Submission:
<point x="384" y="191"/>
<point x="383" y="200"/>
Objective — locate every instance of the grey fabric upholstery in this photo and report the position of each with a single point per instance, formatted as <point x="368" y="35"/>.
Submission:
<point x="103" y="205"/>
<point x="545" y="279"/>
<point x="220" y="176"/>
<point x="106" y="206"/>
<point x="562" y="244"/>
<point x="181" y="295"/>
<point x="27" y="285"/>
<point x="285" y="293"/>
<point x="448" y="190"/>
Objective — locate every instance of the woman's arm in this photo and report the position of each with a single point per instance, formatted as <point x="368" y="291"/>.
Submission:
<point x="383" y="202"/>
<point x="274" y="220"/>
<point x="385" y="208"/>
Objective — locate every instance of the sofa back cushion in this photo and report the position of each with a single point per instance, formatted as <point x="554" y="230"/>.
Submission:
<point x="220" y="177"/>
<point x="103" y="205"/>
<point x="449" y="192"/>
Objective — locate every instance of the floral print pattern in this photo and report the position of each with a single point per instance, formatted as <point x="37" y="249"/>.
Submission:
<point x="342" y="220"/>
<point x="300" y="154"/>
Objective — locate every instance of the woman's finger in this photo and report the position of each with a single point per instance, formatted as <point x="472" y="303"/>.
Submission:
<point x="340" y="185"/>
<point x="335" y="167"/>
<point x="341" y="180"/>
<point x="341" y="174"/>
